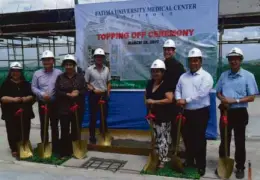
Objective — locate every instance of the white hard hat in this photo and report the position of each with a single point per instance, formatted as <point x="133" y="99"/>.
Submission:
<point x="69" y="57"/>
<point x="158" y="64"/>
<point x="235" y="52"/>
<point x="169" y="44"/>
<point x="16" y="65"/>
<point x="99" y="51"/>
<point x="195" y="52"/>
<point x="47" y="54"/>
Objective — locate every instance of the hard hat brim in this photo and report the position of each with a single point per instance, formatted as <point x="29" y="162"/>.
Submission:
<point x="68" y="60"/>
<point x="16" y="68"/>
<point x="234" y="54"/>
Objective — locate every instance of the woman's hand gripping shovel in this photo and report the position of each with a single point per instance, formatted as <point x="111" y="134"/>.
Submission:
<point x="104" y="139"/>
<point x="79" y="146"/>
<point x="45" y="148"/>
<point x="24" y="147"/>
<point x="153" y="158"/>
<point x="225" y="164"/>
<point x="176" y="161"/>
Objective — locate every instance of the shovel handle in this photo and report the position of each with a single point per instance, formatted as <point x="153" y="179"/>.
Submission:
<point x="152" y="133"/>
<point x="45" y="108"/>
<point x="225" y="134"/>
<point x="77" y="124"/>
<point x="102" y="117"/>
<point x="178" y="136"/>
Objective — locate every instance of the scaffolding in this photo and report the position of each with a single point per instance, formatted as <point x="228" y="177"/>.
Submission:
<point x="24" y="36"/>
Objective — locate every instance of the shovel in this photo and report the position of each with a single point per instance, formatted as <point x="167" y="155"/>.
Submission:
<point x="153" y="158"/>
<point x="104" y="139"/>
<point x="25" y="147"/>
<point x="226" y="164"/>
<point x="176" y="160"/>
<point x="45" y="148"/>
<point x="79" y="146"/>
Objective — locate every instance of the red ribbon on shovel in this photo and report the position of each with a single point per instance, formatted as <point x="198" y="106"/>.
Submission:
<point x="182" y="118"/>
<point x="19" y="112"/>
<point x="224" y="120"/>
<point x="45" y="109"/>
<point x="150" y="116"/>
<point x="74" y="108"/>
<point x="101" y="101"/>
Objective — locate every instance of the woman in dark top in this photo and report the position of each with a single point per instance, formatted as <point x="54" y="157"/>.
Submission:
<point x="158" y="99"/>
<point x="70" y="90"/>
<point x="15" y="93"/>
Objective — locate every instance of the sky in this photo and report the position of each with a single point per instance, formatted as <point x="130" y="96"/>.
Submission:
<point x="251" y="51"/>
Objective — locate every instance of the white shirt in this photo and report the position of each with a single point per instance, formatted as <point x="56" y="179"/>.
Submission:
<point x="98" y="79"/>
<point x="195" y="89"/>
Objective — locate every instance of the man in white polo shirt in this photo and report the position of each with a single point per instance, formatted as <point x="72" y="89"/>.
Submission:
<point x="98" y="80"/>
<point x="192" y="93"/>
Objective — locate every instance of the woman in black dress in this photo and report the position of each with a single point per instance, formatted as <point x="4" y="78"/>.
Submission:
<point x="158" y="99"/>
<point x="70" y="90"/>
<point x="15" y="94"/>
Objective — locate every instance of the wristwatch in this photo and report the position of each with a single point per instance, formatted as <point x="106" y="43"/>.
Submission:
<point x="237" y="100"/>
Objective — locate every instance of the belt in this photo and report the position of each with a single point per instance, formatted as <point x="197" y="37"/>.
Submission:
<point x="99" y="93"/>
<point x="197" y="109"/>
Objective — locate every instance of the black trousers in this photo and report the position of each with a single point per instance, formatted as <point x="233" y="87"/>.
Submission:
<point x="194" y="131"/>
<point x="14" y="132"/>
<point x="69" y="133"/>
<point x="237" y="121"/>
<point x="54" y="121"/>
<point x="94" y="108"/>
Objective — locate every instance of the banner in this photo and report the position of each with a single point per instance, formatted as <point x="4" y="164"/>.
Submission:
<point x="132" y="34"/>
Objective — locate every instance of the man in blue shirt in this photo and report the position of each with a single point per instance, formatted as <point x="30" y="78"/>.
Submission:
<point x="43" y="86"/>
<point x="236" y="88"/>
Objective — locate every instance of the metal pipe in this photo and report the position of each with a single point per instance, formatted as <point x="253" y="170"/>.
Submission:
<point x="68" y="45"/>
<point x="38" y="32"/>
<point x="37" y="51"/>
<point x="221" y="32"/>
<point x="22" y="51"/>
<point x="8" y="53"/>
<point x="54" y="50"/>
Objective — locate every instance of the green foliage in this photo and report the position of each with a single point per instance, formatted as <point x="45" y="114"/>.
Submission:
<point x="53" y="160"/>
<point x="190" y="173"/>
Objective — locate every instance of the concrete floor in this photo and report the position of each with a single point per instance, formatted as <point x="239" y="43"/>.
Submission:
<point x="12" y="169"/>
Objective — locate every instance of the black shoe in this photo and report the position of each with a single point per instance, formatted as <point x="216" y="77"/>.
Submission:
<point x="216" y="173"/>
<point x="188" y="164"/>
<point x="240" y="174"/>
<point x="201" y="172"/>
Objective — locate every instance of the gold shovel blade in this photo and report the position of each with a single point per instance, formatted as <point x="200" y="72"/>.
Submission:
<point x="225" y="167"/>
<point x="25" y="150"/>
<point x="44" y="150"/>
<point x="177" y="164"/>
<point x="105" y="141"/>
<point x="151" y="165"/>
<point x="80" y="149"/>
